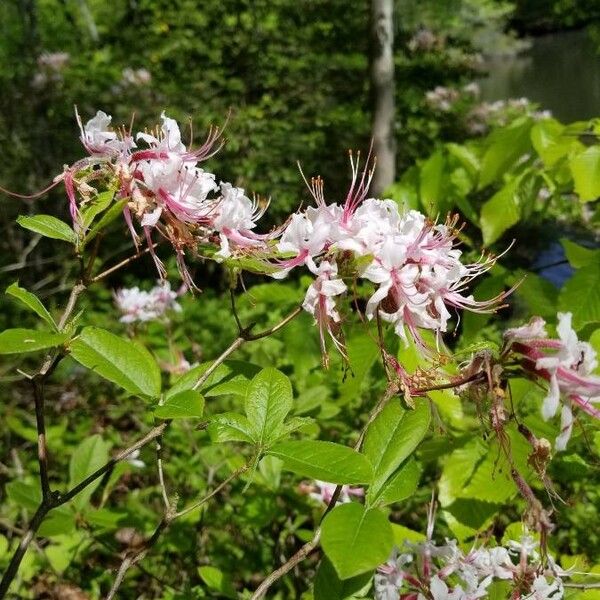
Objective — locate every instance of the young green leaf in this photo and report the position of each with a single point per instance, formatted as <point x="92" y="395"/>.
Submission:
<point x="14" y="341"/>
<point x="268" y="401"/>
<point x="401" y="485"/>
<point x="328" y="586"/>
<point x="505" y="146"/>
<point x="356" y="539"/>
<point x="185" y="405"/>
<point x="231" y="377"/>
<point x="88" y="457"/>
<point x="121" y="361"/>
<point x="585" y="168"/>
<point x="48" y="226"/>
<point x="392" y="437"/>
<point x="107" y="218"/>
<point x="218" y="581"/>
<point x="32" y="302"/>
<point x="500" y="212"/>
<point x="580" y="296"/>
<point x="230" y="427"/>
<point x="580" y="256"/>
<point x="100" y="203"/>
<point x="324" y="460"/>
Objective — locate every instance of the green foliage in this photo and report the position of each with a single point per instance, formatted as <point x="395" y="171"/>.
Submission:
<point x="28" y="340"/>
<point x="182" y="405"/>
<point x="32" y="302"/>
<point x="356" y="539"/>
<point x="49" y="226"/>
<point x="121" y="361"/>
<point x="324" y="460"/>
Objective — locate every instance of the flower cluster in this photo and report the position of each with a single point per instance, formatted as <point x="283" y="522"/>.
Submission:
<point x="138" y="305"/>
<point x="426" y="570"/>
<point x="166" y="189"/>
<point x="566" y="363"/>
<point x="413" y="262"/>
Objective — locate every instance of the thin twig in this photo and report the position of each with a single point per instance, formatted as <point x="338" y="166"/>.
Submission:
<point x="296" y="559"/>
<point x="161" y="474"/>
<point x="218" y="361"/>
<point x="206" y="498"/>
<point x="151" y="435"/>
<point x="123" y="263"/>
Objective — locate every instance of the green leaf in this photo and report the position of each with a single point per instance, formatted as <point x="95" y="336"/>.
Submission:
<point x="24" y="495"/>
<point x="324" y="460"/>
<point x="216" y="580"/>
<point x="400" y="486"/>
<point x="506" y="145"/>
<point x="188" y="404"/>
<point x="98" y="204"/>
<point x="585" y="168"/>
<point x="550" y="142"/>
<point x="89" y="456"/>
<point x="539" y="294"/>
<point x="581" y="297"/>
<point x="268" y="401"/>
<point x="59" y="521"/>
<point x="107" y="218"/>
<point x="32" y="302"/>
<point x="28" y="340"/>
<point x="579" y="256"/>
<point x="466" y="157"/>
<point x="500" y="212"/>
<point x="231" y="377"/>
<point x="230" y="427"/>
<point x="356" y="539"/>
<point x="104" y="518"/>
<point x="392" y="437"/>
<point x="432" y="185"/>
<point x="121" y="361"/>
<point x="48" y="226"/>
<point x="63" y="551"/>
<point x="328" y="586"/>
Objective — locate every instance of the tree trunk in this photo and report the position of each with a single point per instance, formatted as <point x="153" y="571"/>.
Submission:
<point x="382" y="86"/>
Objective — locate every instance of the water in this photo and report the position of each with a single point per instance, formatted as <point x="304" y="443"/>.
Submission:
<point x="560" y="71"/>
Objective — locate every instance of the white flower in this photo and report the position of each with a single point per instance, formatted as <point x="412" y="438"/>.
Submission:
<point x="543" y="590"/>
<point x="98" y="139"/>
<point x="138" y="305"/>
<point x="168" y="139"/>
<point x="566" y="363"/>
<point x="325" y="490"/>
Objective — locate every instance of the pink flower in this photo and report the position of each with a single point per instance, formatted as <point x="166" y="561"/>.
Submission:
<point x="566" y="363"/>
<point x="323" y="492"/>
<point x="319" y="302"/>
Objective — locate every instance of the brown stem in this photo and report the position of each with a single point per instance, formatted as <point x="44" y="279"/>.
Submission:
<point x="38" y="394"/>
<point x="17" y="557"/>
<point x="123" y="263"/>
<point x="49" y="499"/>
<point x="296" y="559"/>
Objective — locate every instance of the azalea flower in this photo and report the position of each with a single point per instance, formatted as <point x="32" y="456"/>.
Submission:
<point x="319" y="302"/>
<point x="566" y="363"/>
<point x="139" y="305"/>
<point x="426" y="570"/>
